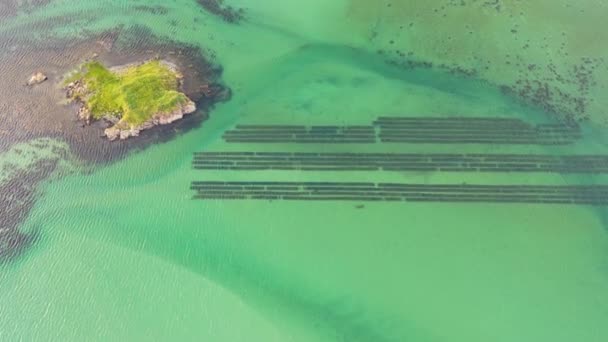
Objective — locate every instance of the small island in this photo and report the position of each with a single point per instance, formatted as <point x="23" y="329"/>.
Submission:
<point x="132" y="97"/>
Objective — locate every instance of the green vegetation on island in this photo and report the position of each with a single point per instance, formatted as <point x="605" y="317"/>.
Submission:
<point x="133" y="97"/>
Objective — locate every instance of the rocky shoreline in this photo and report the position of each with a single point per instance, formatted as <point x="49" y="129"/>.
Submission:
<point x="116" y="131"/>
<point x="119" y="129"/>
<point x="34" y="110"/>
<point x="41" y="110"/>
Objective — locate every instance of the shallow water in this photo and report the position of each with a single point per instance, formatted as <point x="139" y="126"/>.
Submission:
<point x="123" y="252"/>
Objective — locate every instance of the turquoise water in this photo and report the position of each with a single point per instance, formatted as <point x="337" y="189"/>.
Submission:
<point x="124" y="253"/>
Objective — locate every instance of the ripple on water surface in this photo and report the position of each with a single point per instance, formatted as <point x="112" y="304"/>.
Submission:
<point x="125" y="253"/>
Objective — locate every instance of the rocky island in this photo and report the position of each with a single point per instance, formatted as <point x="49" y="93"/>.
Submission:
<point x="131" y="97"/>
<point x="39" y="129"/>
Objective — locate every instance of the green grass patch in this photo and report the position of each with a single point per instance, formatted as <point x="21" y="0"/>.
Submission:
<point x="133" y="94"/>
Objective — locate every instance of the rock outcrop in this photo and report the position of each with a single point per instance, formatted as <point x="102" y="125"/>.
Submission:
<point x="36" y="78"/>
<point x="78" y="91"/>
<point x="119" y="132"/>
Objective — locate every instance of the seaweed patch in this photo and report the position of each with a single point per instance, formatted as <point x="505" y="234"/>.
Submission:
<point x="17" y="197"/>
<point x="13" y="7"/>
<point x="220" y="9"/>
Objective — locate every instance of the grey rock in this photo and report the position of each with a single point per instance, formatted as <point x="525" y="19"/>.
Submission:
<point x="37" y="78"/>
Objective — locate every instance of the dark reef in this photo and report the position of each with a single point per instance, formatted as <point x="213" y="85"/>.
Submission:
<point x="565" y="95"/>
<point x="17" y="197"/>
<point x="226" y="12"/>
<point x="39" y="111"/>
<point x="12" y="7"/>
<point x="546" y="75"/>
